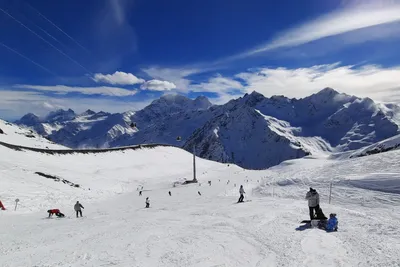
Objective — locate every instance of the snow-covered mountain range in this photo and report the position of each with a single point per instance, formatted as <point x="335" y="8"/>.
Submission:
<point x="253" y="131"/>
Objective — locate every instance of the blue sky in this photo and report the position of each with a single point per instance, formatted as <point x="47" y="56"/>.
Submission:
<point x="119" y="55"/>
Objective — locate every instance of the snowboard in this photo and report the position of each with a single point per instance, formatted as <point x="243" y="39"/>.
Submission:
<point x="244" y="201"/>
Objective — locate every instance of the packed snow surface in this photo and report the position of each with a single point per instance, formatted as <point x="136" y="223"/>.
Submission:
<point x="188" y="229"/>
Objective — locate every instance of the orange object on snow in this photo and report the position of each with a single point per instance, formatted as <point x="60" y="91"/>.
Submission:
<point x="2" y="206"/>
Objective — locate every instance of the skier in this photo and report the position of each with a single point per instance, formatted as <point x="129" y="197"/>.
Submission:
<point x="140" y="193"/>
<point x="147" y="202"/>
<point x="78" y="208"/>
<point x="313" y="201"/>
<point x="169" y="192"/>
<point x="56" y="212"/>
<point x="241" y="191"/>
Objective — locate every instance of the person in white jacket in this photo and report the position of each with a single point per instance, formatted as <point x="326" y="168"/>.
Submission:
<point x="241" y="192"/>
<point x="147" y="202"/>
<point x="313" y="201"/>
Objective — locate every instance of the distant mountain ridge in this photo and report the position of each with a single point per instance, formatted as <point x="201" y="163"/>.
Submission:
<point x="252" y="131"/>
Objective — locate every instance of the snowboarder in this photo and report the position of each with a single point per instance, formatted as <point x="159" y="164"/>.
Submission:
<point x="313" y="201"/>
<point x="332" y="223"/>
<point x="56" y="212"/>
<point x="198" y="192"/>
<point x="78" y="208"/>
<point x="147" y="202"/>
<point x="169" y="192"/>
<point x="241" y="191"/>
<point x="140" y="193"/>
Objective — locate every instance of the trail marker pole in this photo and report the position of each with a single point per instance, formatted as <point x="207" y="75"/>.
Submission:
<point x="330" y="192"/>
<point x="194" y="164"/>
<point x="16" y="204"/>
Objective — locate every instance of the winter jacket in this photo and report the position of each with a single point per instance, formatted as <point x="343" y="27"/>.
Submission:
<point x="78" y="207"/>
<point x="332" y="224"/>
<point x="54" y="211"/>
<point x="241" y="190"/>
<point x="313" y="199"/>
<point x="147" y="201"/>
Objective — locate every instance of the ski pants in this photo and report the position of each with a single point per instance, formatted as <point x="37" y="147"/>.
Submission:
<point x="312" y="209"/>
<point x="241" y="198"/>
<point x="78" y="212"/>
<point x="147" y="205"/>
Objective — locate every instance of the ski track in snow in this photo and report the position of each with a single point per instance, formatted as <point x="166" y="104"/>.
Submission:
<point x="191" y="230"/>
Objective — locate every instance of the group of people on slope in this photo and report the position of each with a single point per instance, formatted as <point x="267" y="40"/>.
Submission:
<point x="77" y="207"/>
<point x="330" y="224"/>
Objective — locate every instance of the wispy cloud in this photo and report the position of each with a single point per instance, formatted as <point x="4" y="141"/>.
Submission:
<point x="217" y="84"/>
<point x="371" y="81"/>
<point x="157" y="85"/>
<point x="118" y="77"/>
<point x="14" y="104"/>
<point x="342" y="21"/>
<point x="63" y="89"/>
<point x="178" y="76"/>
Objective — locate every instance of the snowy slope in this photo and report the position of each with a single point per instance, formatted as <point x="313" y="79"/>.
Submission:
<point x="323" y="122"/>
<point x="191" y="230"/>
<point x="230" y="235"/>
<point x="19" y="135"/>
<point x="380" y="147"/>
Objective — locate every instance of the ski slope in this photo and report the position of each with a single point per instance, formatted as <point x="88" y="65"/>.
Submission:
<point x="187" y="229"/>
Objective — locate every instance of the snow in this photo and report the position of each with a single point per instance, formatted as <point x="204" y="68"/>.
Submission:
<point x="23" y="136"/>
<point x="383" y="146"/>
<point x="191" y="230"/>
<point x="325" y="122"/>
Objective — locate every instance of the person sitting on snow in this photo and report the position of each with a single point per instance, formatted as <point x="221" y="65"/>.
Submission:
<point x="332" y="224"/>
<point x="56" y="212"/>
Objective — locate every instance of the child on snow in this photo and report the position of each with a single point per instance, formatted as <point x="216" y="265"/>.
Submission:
<point x="56" y="212"/>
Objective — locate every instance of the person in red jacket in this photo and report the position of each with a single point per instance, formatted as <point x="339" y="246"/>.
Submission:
<point x="56" y="212"/>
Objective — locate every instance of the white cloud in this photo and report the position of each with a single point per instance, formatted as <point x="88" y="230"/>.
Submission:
<point x="217" y="84"/>
<point x="63" y="89"/>
<point x="14" y="104"/>
<point x="157" y="85"/>
<point x="344" y="20"/>
<point x="368" y="81"/>
<point x="178" y="76"/>
<point x="119" y="77"/>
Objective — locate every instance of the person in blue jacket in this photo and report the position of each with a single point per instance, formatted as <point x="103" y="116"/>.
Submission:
<point x="332" y="224"/>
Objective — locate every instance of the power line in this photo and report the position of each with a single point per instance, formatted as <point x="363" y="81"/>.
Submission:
<point x="30" y="60"/>
<point x="47" y="42"/>
<point x="58" y="28"/>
